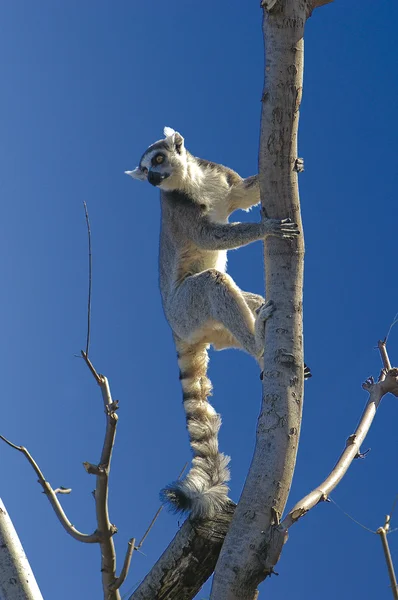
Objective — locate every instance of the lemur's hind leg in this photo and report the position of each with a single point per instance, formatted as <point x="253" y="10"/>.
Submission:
<point x="223" y="338"/>
<point x="208" y="297"/>
<point x="262" y="311"/>
<point x="253" y="301"/>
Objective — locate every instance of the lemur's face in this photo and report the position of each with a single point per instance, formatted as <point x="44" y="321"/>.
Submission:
<point x="163" y="164"/>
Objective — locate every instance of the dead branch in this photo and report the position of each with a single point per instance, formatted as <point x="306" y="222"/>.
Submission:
<point x="104" y="527"/>
<point x="52" y="497"/>
<point x="188" y="561"/>
<point x="126" y="566"/>
<point x="157" y="513"/>
<point x="90" y="278"/>
<point x="387" y="383"/>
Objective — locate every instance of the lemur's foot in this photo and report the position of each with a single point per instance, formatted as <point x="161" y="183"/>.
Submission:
<point x="264" y="311"/>
<point x="263" y="314"/>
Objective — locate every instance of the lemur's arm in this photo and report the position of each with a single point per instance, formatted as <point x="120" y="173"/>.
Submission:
<point x="244" y="194"/>
<point x="217" y="236"/>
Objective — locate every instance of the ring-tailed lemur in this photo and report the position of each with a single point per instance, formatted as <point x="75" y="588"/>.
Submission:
<point x="203" y="304"/>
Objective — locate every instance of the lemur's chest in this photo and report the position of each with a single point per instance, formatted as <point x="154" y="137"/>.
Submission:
<point x="217" y="203"/>
<point x="217" y="214"/>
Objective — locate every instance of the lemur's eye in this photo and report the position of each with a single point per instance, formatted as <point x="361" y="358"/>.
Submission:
<point x="159" y="158"/>
<point x="144" y="170"/>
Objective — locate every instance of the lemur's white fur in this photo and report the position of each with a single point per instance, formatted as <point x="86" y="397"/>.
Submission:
<point x="202" y="304"/>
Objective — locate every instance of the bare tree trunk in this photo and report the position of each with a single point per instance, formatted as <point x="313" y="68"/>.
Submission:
<point x="17" y="581"/>
<point x="252" y="544"/>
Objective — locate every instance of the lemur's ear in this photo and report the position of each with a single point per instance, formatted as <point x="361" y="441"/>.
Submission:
<point x="137" y="174"/>
<point x="174" y="138"/>
<point x="168" y="132"/>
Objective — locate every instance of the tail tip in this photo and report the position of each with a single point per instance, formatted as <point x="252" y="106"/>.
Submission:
<point x="179" y="498"/>
<point x="175" y="498"/>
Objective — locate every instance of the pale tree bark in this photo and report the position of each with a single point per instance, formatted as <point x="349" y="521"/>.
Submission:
<point x="17" y="581"/>
<point x="253" y="543"/>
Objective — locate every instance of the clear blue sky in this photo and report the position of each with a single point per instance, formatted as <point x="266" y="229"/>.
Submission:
<point x="86" y="87"/>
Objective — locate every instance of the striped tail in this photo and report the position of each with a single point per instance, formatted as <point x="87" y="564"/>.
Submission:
<point x="204" y="491"/>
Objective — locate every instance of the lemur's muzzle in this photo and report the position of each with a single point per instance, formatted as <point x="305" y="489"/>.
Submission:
<point x="155" y="178"/>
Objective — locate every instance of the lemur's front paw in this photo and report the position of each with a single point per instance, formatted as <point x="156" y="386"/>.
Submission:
<point x="281" y="227"/>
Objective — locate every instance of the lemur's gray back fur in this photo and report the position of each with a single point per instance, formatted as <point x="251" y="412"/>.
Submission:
<point x="202" y="304"/>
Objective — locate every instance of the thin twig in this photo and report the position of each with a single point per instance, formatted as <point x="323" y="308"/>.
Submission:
<point x="394" y="504"/>
<point x="90" y="270"/>
<point x="350" y="517"/>
<point x="126" y="566"/>
<point x="157" y="514"/>
<point x="394" y="322"/>
<point x="52" y="497"/>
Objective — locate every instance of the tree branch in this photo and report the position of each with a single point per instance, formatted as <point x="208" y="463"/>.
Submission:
<point x="387" y="383"/>
<point x="351" y="451"/>
<point x="188" y="561"/>
<point x="52" y="497"/>
<point x="90" y="278"/>
<point x="126" y="565"/>
<point x="105" y="528"/>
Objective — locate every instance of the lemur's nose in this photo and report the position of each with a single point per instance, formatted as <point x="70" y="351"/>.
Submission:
<point x="156" y="178"/>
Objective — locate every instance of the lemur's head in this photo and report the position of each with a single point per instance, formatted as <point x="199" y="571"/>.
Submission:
<point x="164" y="163"/>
